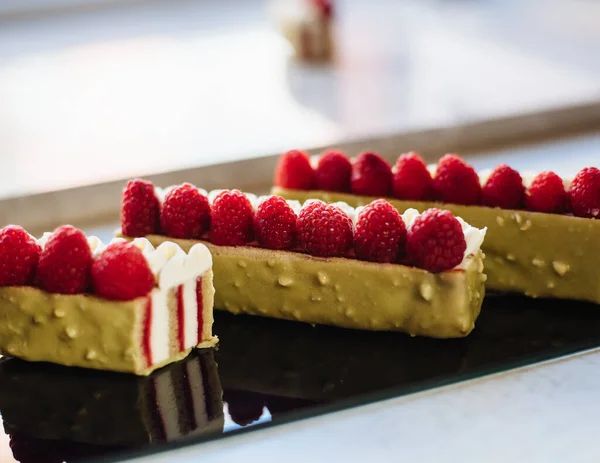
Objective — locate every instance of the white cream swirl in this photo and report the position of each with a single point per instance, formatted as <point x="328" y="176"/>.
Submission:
<point x="171" y="265"/>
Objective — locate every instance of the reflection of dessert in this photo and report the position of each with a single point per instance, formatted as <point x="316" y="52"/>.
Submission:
<point x="542" y="241"/>
<point x="326" y="365"/>
<point x="307" y="25"/>
<point x="88" y="413"/>
<point x="27" y="449"/>
<point x="126" y="307"/>
<point x="323" y="264"/>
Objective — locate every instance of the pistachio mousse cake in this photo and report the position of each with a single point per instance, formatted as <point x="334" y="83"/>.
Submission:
<point x="543" y="236"/>
<point x="369" y="268"/>
<point x="126" y="307"/>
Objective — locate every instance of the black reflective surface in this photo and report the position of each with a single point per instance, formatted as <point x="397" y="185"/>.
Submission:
<point x="269" y="371"/>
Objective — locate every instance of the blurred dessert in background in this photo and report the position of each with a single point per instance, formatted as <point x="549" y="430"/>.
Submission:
<point x="307" y="25"/>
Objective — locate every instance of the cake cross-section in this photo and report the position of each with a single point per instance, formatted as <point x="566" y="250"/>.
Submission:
<point x="126" y="307"/>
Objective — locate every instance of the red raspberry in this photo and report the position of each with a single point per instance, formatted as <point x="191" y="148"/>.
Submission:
<point x="185" y="212"/>
<point x="333" y="172"/>
<point x="122" y="273"/>
<point x="411" y="179"/>
<point x="456" y="182"/>
<point x="504" y="188"/>
<point x="435" y="242"/>
<point x="380" y="233"/>
<point x="546" y="194"/>
<point x="65" y="262"/>
<point x="294" y="171"/>
<point x="371" y="175"/>
<point x="140" y="209"/>
<point x="584" y="193"/>
<point x="275" y="224"/>
<point x="324" y="230"/>
<point x="19" y="256"/>
<point x="232" y="219"/>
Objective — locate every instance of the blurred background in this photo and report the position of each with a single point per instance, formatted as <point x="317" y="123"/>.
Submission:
<point x="97" y="90"/>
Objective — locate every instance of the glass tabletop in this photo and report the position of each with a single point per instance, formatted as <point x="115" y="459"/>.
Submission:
<point x="266" y="372"/>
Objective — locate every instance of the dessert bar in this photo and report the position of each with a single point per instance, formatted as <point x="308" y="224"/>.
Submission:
<point x="127" y="307"/>
<point x="370" y="268"/>
<point x="543" y="232"/>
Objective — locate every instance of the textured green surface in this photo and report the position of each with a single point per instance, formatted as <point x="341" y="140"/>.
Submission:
<point x="72" y="330"/>
<point x="345" y="292"/>
<point x="539" y="255"/>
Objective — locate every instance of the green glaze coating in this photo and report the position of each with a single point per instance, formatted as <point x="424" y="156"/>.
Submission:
<point x="536" y="254"/>
<point x="72" y="330"/>
<point x="345" y="292"/>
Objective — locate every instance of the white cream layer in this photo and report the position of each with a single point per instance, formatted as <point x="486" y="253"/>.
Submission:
<point x="159" y="327"/>
<point x="190" y="314"/>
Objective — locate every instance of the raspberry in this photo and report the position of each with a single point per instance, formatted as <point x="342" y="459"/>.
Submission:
<point x="185" y="212"/>
<point x="411" y="179"/>
<point x="380" y="233"/>
<point x="504" y="188"/>
<point x="232" y="219"/>
<point x="122" y="273"/>
<point x="324" y="230"/>
<point x="435" y="241"/>
<point x="546" y="194"/>
<point x="65" y="262"/>
<point x="456" y="182"/>
<point x="333" y="172"/>
<point x="19" y="256"/>
<point x="584" y="193"/>
<point x="140" y="209"/>
<point x="371" y="175"/>
<point x="294" y="171"/>
<point x="275" y="224"/>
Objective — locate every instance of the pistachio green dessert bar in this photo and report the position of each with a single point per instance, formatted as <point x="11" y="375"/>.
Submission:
<point x="345" y="292"/>
<point x="536" y="254"/>
<point x="137" y="335"/>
